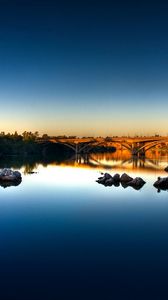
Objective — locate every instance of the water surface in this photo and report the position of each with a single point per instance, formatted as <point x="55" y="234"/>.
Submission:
<point x="63" y="236"/>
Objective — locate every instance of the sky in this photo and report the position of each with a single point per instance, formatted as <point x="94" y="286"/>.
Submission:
<point x="85" y="68"/>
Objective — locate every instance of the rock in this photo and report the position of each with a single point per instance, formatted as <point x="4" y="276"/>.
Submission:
<point x="6" y="172"/>
<point x="125" y="178"/>
<point x="9" y="175"/>
<point x="106" y="179"/>
<point x="166" y="169"/>
<point x="124" y="184"/>
<point x="116" y="177"/>
<point x="107" y="176"/>
<point x="101" y="180"/>
<point x="109" y="182"/>
<point x="137" y="183"/>
<point x="17" y="174"/>
<point x="116" y="183"/>
<point x="161" y="183"/>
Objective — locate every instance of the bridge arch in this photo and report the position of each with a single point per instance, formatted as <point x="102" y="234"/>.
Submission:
<point x="49" y="148"/>
<point x="136" y="146"/>
<point x="151" y="145"/>
<point x="124" y="145"/>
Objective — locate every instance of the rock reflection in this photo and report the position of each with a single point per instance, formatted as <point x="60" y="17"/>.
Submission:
<point x="161" y="189"/>
<point x="6" y="184"/>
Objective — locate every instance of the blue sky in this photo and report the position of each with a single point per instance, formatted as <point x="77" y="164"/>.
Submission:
<point x="84" y="67"/>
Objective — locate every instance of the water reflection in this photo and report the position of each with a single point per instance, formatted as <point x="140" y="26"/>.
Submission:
<point x="59" y="226"/>
<point x="123" y="160"/>
<point x="120" y="160"/>
<point x="161" y="189"/>
<point x="6" y="184"/>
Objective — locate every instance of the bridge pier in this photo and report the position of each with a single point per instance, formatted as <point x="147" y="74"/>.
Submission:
<point x="82" y="148"/>
<point x="134" y="150"/>
<point x="138" y="150"/>
<point x="136" y="153"/>
<point x="76" y="149"/>
<point x="81" y="158"/>
<point x="79" y="149"/>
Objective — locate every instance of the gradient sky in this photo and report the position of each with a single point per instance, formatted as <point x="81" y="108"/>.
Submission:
<point x="84" y="67"/>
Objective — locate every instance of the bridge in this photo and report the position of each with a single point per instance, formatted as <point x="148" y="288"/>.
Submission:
<point x="136" y="146"/>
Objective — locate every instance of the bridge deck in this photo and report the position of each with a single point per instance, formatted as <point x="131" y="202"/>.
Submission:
<point x="134" y="145"/>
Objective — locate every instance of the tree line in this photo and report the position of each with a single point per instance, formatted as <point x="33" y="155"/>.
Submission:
<point x="14" y="143"/>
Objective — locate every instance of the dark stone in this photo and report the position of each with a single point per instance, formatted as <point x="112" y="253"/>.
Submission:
<point x="106" y="179"/>
<point x="125" y="178"/>
<point x="137" y="183"/>
<point x="17" y="174"/>
<point x="109" y="182"/>
<point x="116" y="177"/>
<point x="116" y="183"/>
<point x="124" y="184"/>
<point x="9" y="175"/>
<point x="107" y="176"/>
<point x="161" y="183"/>
<point x="101" y="180"/>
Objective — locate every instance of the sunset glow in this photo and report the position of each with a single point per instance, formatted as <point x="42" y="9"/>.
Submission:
<point x="64" y="75"/>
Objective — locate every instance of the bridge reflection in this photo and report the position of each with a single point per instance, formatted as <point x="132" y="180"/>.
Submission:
<point x="118" y="161"/>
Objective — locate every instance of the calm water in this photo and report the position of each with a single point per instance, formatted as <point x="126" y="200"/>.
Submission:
<point x="63" y="236"/>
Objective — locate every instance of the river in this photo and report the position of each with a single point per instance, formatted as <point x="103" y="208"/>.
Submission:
<point x="64" y="236"/>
